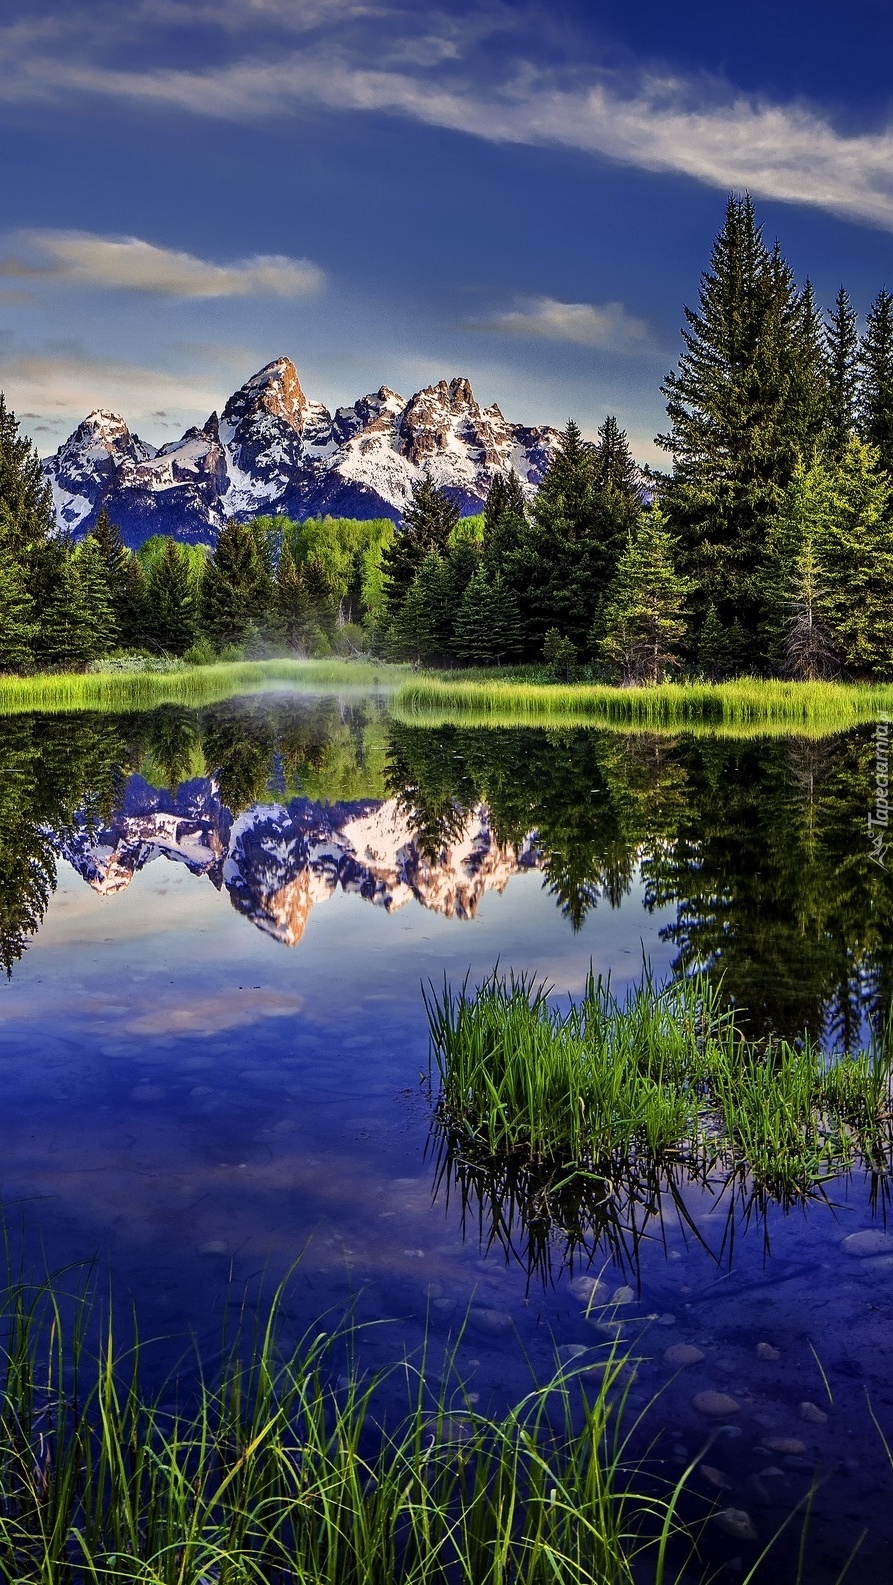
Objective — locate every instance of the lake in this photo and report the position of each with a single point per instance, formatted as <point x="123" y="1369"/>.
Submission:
<point x="217" y="926"/>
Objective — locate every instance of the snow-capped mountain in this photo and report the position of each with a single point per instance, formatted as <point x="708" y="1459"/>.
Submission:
<point x="278" y="861"/>
<point x="273" y="450"/>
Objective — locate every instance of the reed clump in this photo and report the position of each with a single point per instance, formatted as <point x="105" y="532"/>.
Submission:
<point x="283" y="1474"/>
<point x="612" y="1086"/>
<point x="142" y="689"/>
<point x="748" y="706"/>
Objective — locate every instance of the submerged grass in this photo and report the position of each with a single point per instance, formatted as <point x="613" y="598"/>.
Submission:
<point x="278" y="1475"/>
<point x="197" y="685"/>
<point x="744" y="707"/>
<point x="661" y="1076"/>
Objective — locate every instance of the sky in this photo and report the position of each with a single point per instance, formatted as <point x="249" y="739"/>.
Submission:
<point x="525" y="194"/>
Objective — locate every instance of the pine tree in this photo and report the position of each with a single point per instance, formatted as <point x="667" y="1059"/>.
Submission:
<point x="738" y="411"/>
<point x="644" y="622"/>
<point x="613" y="465"/>
<point x="172" y="605"/>
<point x="853" y="540"/>
<point x="67" y="630"/>
<point x="808" y="653"/>
<point x="560" y="654"/>
<point x="26" y="506"/>
<point x="809" y="396"/>
<point x="428" y="522"/>
<point x="842" y="359"/>
<point x="106" y="536"/>
<point x="714" y="655"/>
<point x="18" y="629"/>
<point x="876" y="358"/>
<point x="486" y="631"/>
<point x="294" y="612"/>
<point x="133" y="606"/>
<point x="237" y="585"/>
<point x="96" y="598"/>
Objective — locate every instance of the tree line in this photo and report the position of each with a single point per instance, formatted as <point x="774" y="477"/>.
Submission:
<point x="767" y="549"/>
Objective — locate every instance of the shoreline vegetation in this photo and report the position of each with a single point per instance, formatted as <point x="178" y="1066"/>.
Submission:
<point x="284" y="1469"/>
<point x="747" y="706"/>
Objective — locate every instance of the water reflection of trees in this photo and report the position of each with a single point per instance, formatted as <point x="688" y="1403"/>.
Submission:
<point x="760" y="846"/>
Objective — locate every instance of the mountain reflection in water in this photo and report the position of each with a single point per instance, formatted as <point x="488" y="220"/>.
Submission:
<point x="760" y="846"/>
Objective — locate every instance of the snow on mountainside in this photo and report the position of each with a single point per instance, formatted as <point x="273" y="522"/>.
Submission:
<point x="276" y="861"/>
<point x="273" y="450"/>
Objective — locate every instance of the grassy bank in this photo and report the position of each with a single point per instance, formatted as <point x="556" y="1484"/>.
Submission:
<point x="196" y="685"/>
<point x="660" y="1077"/>
<point x="287" y="1474"/>
<point x="747" y="706"/>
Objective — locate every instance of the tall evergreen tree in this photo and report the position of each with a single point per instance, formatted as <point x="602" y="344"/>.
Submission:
<point x="294" y="613"/>
<point x="613" y="465"/>
<point x="113" y="557"/>
<point x="95" y="598"/>
<point x="808" y="399"/>
<point x="421" y="629"/>
<point x="26" y="507"/>
<point x="428" y="522"/>
<point x="876" y="357"/>
<point x="172" y="604"/>
<point x="67" y="631"/>
<point x="237" y="585"/>
<point x="854" y="560"/>
<point x="842" y="360"/>
<point x="487" y="629"/>
<point x="505" y="523"/>
<point x="18" y="629"/>
<point x="644" y="622"/>
<point x="133" y="605"/>
<point x="736" y="410"/>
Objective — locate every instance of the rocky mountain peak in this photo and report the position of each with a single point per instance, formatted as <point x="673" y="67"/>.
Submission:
<point x="276" y="390"/>
<point x="272" y="450"/>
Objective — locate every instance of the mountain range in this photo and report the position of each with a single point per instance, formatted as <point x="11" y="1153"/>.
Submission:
<point x="278" y="861"/>
<point x="272" y="450"/>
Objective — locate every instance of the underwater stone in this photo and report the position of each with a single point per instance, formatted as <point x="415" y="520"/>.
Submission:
<point x="812" y="1414"/>
<point x="715" y="1405"/>
<point x="871" y="1241"/>
<point x="682" y="1354"/>
<point x="735" y="1522"/>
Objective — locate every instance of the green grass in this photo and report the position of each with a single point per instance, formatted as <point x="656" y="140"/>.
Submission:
<point x="280" y="1473"/>
<point x="657" y="1078"/>
<point x="745" y="707"/>
<point x="198" y="685"/>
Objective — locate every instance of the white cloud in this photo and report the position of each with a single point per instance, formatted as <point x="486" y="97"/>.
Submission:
<point x="130" y="264"/>
<point x="700" y="128"/>
<point x="604" y="325"/>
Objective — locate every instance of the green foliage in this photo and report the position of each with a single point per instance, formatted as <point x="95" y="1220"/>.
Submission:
<point x="428" y="524"/>
<point x="876" y="395"/>
<point x="26" y="509"/>
<point x="643" y="623"/>
<point x="237" y="584"/>
<point x="18" y="628"/>
<point x="422" y="626"/>
<point x="842" y="355"/>
<point x="560" y="654"/>
<point x="740" y="407"/>
<point x="351" y="553"/>
<point x="171" y="601"/>
<point x="487" y="629"/>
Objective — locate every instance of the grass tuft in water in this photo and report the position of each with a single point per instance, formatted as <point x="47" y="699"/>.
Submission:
<point x="615" y="1088"/>
<point x="279" y="1472"/>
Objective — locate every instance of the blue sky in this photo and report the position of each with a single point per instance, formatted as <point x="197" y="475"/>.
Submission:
<point x="395" y="193"/>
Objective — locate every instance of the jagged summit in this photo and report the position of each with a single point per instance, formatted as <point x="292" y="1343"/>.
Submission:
<point x="272" y="449"/>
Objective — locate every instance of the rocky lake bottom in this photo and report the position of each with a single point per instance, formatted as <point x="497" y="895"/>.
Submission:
<point x="214" y="1062"/>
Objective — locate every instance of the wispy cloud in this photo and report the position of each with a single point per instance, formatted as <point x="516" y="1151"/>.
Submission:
<point x="282" y="58"/>
<point x="606" y="326"/>
<point x="130" y="264"/>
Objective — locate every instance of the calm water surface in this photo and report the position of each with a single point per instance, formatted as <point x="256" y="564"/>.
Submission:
<point x="214" y="1055"/>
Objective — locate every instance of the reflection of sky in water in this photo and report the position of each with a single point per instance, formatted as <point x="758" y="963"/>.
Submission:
<point x="189" y="1098"/>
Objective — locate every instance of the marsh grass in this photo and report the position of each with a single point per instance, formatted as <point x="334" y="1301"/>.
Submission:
<point x="746" y="707"/>
<point x="113" y="691"/>
<point x="279" y="1471"/>
<point x="619" y="1089"/>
